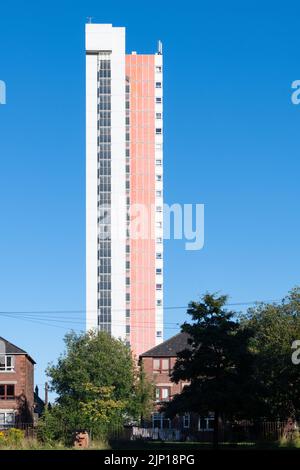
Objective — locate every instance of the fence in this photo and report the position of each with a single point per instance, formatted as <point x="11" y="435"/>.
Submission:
<point x="155" y="434"/>
<point x="243" y="431"/>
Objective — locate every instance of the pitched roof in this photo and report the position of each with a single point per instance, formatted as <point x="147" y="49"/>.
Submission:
<point x="10" y="348"/>
<point x="170" y="347"/>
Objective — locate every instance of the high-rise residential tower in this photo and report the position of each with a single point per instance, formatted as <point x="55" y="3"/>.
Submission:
<point x="124" y="189"/>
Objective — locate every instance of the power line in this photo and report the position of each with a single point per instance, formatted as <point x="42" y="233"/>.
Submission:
<point x="176" y="307"/>
<point x="39" y="317"/>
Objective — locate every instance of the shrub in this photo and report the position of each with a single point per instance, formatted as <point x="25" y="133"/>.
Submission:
<point x="12" y="438"/>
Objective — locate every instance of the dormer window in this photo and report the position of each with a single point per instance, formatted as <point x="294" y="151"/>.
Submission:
<point x="6" y="363"/>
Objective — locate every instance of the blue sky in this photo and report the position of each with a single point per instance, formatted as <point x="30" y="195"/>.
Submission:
<point x="231" y="142"/>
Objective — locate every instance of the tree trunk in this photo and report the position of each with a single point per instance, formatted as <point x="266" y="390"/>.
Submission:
<point x="216" y="430"/>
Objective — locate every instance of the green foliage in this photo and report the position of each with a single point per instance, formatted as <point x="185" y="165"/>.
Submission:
<point x="101" y="409"/>
<point x="12" y="438"/>
<point x="217" y="365"/>
<point x="218" y="362"/>
<point x="94" y="358"/>
<point x="275" y="327"/>
<point x="240" y="366"/>
<point x="97" y="385"/>
<point x="144" y="393"/>
<point x="56" y="425"/>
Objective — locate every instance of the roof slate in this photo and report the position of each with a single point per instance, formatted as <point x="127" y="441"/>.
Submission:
<point x="11" y="348"/>
<point x="170" y="347"/>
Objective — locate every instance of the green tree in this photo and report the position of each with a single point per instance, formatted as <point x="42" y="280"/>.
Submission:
<point x="101" y="409"/>
<point x="275" y="327"/>
<point x="92" y="361"/>
<point x="217" y="364"/>
<point x="144" y="393"/>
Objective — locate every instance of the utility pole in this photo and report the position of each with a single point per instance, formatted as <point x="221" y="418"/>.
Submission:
<point x="46" y="394"/>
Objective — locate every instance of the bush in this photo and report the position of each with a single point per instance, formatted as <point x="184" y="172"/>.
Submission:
<point x="11" y="438"/>
<point x="292" y="441"/>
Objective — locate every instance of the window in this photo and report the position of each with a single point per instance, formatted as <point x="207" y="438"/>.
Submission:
<point x="127" y="313"/>
<point x="158" y="162"/>
<point x="159" y="421"/>
<point x="127" y="329"/>
<point x="186" y="420"/>
<point x="127" y="281"/>
<point x="159" y="334"/>
<point x="158" y="193"/>
<point x="158" y="286"/>
<point x="127" y="248"/>
<point x="159" y="240"/>
<point x="127" y="264"/>
<point x="159" y="224"/>
<point x="158" y="209"/>
<point x="7" y="418"/>
<point x="158" y="99"/>
<point x="159" y="302"/>
<point x="158" y="131"/>
<point x="6" y="363"/>
<point x="162" y="393"/>
<point x="165" y="394"/>
<point x="206" y="424"/>
<point x="161" y="364"/>
<point x="158" y="177"/>
<point x="158" y="68"/>
<point x="7" y="392"/>
<point x="158" y="271"/>
<point x="158" y="115"/>
<point x="157" y="84"/>
<point x="127" y="297"/>
<point x="158" y="255"/>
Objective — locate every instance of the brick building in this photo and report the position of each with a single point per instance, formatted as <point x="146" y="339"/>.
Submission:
<point x="158" y="364"/>
<point x="16" y="385"/>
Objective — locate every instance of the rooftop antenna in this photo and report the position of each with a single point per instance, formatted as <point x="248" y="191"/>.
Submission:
<point x="159" y="47"/>
<point x="90" y="19"/>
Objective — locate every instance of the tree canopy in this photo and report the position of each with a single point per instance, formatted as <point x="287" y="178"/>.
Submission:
<point x="217" y="366"/>
<point x="97" y="383"/>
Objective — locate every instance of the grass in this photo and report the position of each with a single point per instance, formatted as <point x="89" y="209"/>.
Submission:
<point x="153" y="446"/>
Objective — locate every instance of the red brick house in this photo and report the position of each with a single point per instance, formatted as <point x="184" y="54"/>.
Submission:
<point x="16" y="385"/>
<point x="158" y="364"/>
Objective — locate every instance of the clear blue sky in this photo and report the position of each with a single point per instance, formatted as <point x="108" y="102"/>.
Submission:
<point x="231" y="142"/>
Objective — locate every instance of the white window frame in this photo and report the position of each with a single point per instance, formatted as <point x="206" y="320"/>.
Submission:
<point x="186" y="420"/>
<point x="207" y="419"/>
<point x="5" y="413"/>
<point x="161" y="418"/>
<point x="167" y="395"/>
<point x="6" y="367"/>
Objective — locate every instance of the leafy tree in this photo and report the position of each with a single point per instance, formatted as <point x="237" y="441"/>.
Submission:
<point x="101" y="409"/>
<point x="217" y="364"/>
<point x="275" y="327"/>
<point x="92" y="362"/>
<point x="144" y="393"/>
